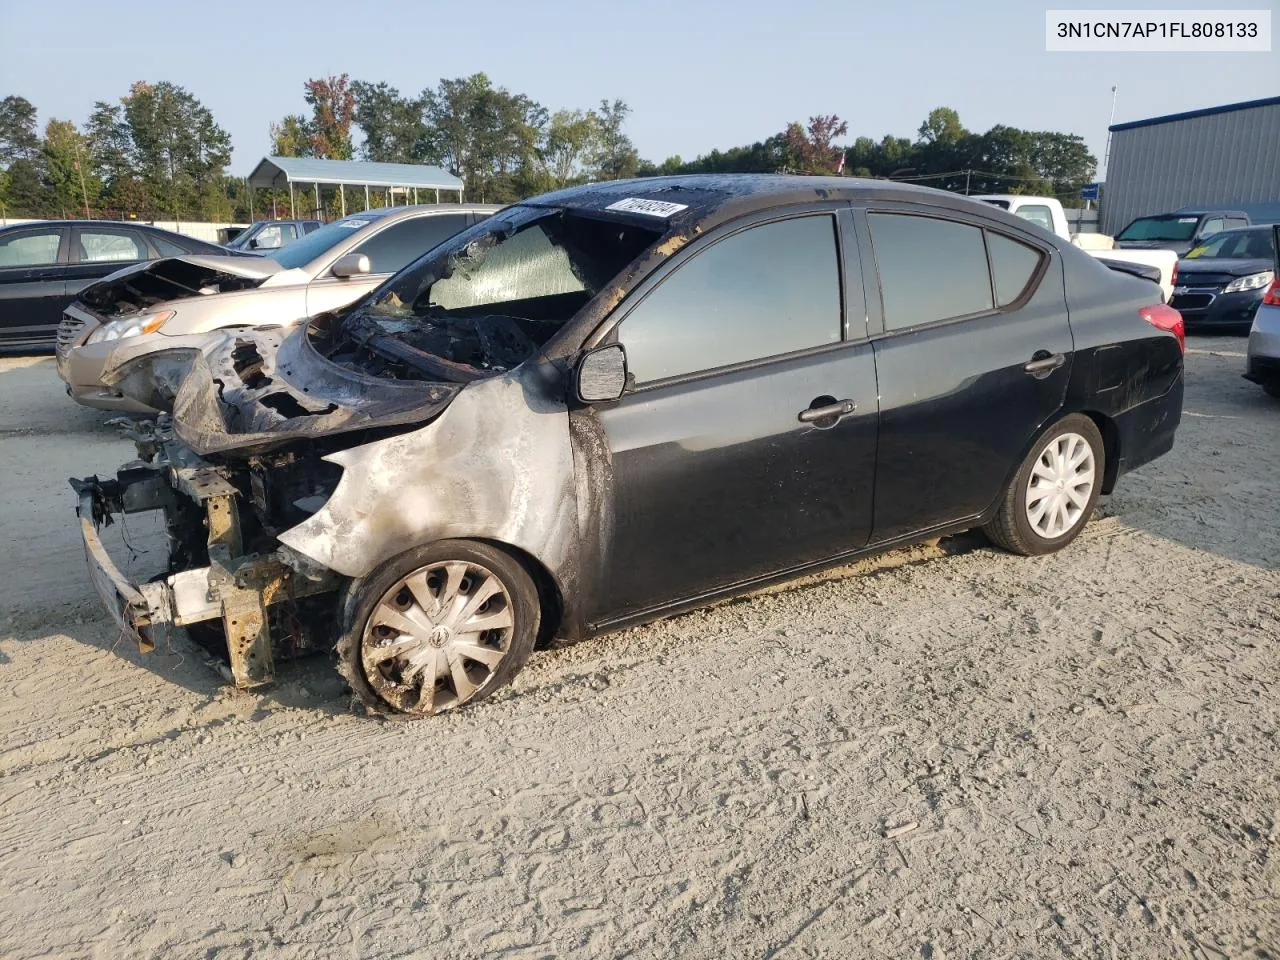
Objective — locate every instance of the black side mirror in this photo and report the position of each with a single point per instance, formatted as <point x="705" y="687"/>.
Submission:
<point x="602" y="374"/>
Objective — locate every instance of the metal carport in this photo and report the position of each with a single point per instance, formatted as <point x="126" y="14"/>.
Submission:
<point x="279" y="172"/>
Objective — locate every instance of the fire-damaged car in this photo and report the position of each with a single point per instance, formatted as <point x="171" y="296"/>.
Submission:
<point x="620" y="401"/>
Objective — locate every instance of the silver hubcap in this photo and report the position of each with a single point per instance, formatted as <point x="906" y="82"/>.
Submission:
<point x="1060" y="485"/>
<point x="435" y="638"/>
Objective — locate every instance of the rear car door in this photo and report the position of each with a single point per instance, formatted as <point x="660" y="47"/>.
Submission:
<point x="973" y="353"/>
<point x="722" y="468"/>
<point x="389" y="251"/>
<point x="32" y="285"/>
<point x="99" y="251"/>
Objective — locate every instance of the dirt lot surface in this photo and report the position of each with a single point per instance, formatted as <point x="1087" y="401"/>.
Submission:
<point x="958" y="753"/>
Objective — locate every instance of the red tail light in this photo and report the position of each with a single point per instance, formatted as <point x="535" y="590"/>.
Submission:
<point x="1164" y="317"/>
<point x="1272" y="296"/>
<point x="1173" y="279"/>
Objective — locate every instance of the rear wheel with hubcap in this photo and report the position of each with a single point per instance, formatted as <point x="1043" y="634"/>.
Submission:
<point x="1054" y="492"/>
<point x="439" y="627"/>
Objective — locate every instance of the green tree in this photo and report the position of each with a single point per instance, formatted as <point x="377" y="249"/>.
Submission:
<point x="176" y="146"/>
<point x="487" y="136"/>
<point x="72" y="186"/>
<point x="942" y="126"/>
<point x="18" y="137"/>
<point x="616" y="156"/>
<point x="291" y="137"/>
<point x="568" y="144"/>
<point x="392" y="125"/>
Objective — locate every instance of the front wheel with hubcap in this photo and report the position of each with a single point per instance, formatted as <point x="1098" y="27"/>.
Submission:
<point x="1053" y="494"/>
<point x="438" y="627"/>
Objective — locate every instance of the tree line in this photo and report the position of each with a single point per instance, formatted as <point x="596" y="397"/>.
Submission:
<point x="158" y="152"/>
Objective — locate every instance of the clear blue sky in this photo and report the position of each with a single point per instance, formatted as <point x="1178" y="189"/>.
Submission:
<point x="698" y="74"/>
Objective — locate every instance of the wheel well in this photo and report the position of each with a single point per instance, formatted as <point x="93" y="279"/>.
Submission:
<point x="1110" y="447"/>
<point x="549" y="597"/>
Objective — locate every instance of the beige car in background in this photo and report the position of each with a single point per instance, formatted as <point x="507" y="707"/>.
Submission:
<point x="120" y="321"/>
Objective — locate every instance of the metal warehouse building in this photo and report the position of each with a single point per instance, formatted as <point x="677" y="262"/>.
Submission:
<point x="1218" y="157"/>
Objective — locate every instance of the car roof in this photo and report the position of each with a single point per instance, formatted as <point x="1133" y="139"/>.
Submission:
<point x="1201" y="212"/>
<point x="710" y="199"/>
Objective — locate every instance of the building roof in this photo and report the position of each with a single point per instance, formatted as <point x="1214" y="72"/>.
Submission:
<point x="1191" y="114"/>
<point x="281" y="171"/>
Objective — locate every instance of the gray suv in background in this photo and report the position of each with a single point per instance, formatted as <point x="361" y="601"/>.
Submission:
<point x="172" y="304"/>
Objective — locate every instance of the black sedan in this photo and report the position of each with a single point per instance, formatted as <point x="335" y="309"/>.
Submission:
<point x="1221" y="282"/>
<point x="620" y="401"/>
<point x="44" y="265"/>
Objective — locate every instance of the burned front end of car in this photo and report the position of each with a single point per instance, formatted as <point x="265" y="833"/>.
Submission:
<point x="247" y="598"/>
<point x="297" y="463"/>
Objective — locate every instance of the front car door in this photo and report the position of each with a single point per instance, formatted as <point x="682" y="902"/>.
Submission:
<point x="721" y="472"/>
<point x="389" y="250"/>
<point x="32" y="285"/>
<point x="973" y="352"/>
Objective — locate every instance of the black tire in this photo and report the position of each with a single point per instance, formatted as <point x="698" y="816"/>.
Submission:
<point x="1272" y="388"/>
<point x="1011" y="528"/>
<point x="384" y="694"/>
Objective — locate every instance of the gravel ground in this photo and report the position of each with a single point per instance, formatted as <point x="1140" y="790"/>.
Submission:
<point x="956" y="753"/>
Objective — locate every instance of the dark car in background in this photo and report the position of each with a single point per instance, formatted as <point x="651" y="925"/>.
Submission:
<point x="1222" y="281"/>
<point x="1179" y="231"/>
<point x="620" y="401"/>
<point x="44" y="266"/>
<point x="271" y="234"/>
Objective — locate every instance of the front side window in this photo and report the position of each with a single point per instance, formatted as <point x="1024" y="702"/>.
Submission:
<point x="769" y="290"/>
<point x="402" y="243"/>
<point x="930" y="269"/>
<point x="33" y="249"/>
<point x="1211" y="227"/>
<point x="1038" y="214"/>
<point x="110" y="246"/>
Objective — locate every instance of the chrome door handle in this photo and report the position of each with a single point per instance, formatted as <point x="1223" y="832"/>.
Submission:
<point x="1044" y="364"/>
<point x="832" y="411"/>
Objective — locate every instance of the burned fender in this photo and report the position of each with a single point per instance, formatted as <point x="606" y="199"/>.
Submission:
<point x="497" y="464"/>
<point x="256" y="389"/>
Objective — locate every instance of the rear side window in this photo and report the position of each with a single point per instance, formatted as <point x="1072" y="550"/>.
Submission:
<point x="769" y="290"/>
<point x="1013" y="264"/>
<point x="402" y="243"/>
<point x="929" y="269"/>
<point x="110" y="246"/>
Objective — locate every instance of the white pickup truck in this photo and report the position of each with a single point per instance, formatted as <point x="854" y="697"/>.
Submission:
<point x="1048" y="213"/>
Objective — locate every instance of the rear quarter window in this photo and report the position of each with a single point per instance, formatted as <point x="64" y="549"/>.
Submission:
<point x="1013" y="266"/>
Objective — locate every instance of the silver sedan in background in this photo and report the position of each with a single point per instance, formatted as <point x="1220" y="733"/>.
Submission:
<point x="1263" y="363"/>
<point x="124" y="318"/>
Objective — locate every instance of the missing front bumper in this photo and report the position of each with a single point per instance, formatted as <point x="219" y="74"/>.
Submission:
<point x="236" y="588"/>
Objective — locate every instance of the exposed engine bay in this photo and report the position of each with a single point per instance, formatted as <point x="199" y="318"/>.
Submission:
<point x="160" y="281"/>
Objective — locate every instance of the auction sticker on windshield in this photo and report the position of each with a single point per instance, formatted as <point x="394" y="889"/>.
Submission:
<point x="654" y="208"/>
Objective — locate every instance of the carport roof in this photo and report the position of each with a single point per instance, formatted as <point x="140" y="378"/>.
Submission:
<point x="281" y="171"/>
